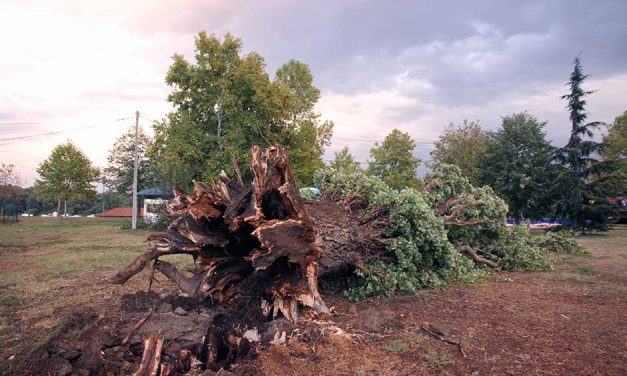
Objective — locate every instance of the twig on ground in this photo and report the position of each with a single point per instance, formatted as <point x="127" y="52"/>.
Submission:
<point x="426" y="327"/>
<point x="137" y="326"/>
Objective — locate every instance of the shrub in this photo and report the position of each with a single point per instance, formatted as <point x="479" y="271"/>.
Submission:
<point x="560" y="242"/>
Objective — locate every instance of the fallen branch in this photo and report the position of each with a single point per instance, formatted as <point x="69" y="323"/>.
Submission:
<point x="137" y="326"/>
<point x="427" y="328"/>
<point x="476" y="257"/>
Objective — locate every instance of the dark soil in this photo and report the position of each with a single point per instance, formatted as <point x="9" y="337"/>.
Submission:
<point x="570" y="321"/>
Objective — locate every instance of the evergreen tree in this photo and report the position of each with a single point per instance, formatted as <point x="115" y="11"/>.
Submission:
<point x="578" y="197"/>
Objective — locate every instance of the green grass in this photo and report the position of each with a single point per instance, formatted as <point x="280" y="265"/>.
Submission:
<point x="397" y="346"/>
<point x="586" y="270"/>
<point x="49" y="266"/>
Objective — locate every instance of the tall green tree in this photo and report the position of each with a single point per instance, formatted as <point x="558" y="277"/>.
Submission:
<point x="119" y="172"/>
<point x="305" y="136"/>
<point x="394" y="162"/>
<point x="461" y="146"/>
<point x="67" y="174"/>
<point x="580" y="198"/>
<point x="615" y="153"/>
<point x="224" y="103"/>
<point x="344" y="162"/>
<point x="515" y="164"/>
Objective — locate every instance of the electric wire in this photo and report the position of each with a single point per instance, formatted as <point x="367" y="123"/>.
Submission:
<point x="11" y="140"/>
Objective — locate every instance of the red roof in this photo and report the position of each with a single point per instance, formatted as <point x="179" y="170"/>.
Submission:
<point x="120" y="212"/>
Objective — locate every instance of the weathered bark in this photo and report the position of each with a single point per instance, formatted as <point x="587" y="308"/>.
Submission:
<point x="259" y="250"/>
<point x="255" y="250"/>
<point x="151" y="358"/>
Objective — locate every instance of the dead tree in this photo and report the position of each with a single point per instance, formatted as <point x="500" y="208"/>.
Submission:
<point x="259" y="250"/>
<point x="254" y="248"/>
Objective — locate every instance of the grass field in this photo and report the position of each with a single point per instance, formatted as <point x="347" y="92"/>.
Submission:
<point x="571" y="318"/>
<point x="49" y="267"/>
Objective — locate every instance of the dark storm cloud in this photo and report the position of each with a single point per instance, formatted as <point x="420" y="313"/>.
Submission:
<point x="446" y="52"/>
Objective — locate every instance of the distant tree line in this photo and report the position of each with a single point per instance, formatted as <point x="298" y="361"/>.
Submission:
<point x="224" y="102"/>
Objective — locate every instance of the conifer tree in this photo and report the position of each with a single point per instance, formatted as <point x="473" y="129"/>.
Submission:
<point x="578" y="197"/>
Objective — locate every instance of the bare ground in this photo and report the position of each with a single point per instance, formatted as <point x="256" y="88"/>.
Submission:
<point x="570" y="321"/>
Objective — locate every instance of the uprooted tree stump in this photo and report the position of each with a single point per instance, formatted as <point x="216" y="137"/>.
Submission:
<point x="255" y="253"/>
<point x="260" y="250"/>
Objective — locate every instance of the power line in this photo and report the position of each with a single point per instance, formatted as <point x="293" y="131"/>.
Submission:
<point x="27" y="123"/>
<point x="363" y="140"/>
<point x="12" y="140"/>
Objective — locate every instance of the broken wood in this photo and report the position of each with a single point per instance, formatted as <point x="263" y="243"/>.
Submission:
<point x="473" y="254"/>
<point x="254" y="248"/>
<point x="151" y="357"/>
<point x="428" y="328"/>
<point x="137" y="326"/>
<point x="259" y="250"/>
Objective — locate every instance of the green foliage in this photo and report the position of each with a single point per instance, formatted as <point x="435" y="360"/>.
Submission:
<point x="224" y="103"/>
<point x="516" y="165"/>
<point x="615" y="153"/>
<point x="67" y="174"/>
<point x="461" y="146"/>
<point x="394" y="162"/>
<point x="579" y="197"/>
<point x="119" y="172"/>
<point x="560" y="242"/>
<point x="426" y="226"/>
<point x="616" y="139"/>
<point x="421" y="253"/>
<point x="305" y="136"/>
<point x="9" y="185"/>
<point x="517" y="250"/>
<point x="475" y="215"/>
<point x="344" y="162"/>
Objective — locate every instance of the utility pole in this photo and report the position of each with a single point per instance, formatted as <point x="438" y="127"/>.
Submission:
<point x="103" y="194"/>
<point x="134" y="218"/>
<point x="216" y="108"/>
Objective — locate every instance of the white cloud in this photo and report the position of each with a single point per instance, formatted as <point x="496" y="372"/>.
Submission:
<point x="371" y="116"/>
<point x="74" y="63"/>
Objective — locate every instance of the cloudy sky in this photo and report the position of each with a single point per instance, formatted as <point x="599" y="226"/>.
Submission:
<point x="412" y="65"/>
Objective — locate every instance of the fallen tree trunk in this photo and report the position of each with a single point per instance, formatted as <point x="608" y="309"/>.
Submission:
<point x="254" y="248"/>
<point x="260" y="250"/>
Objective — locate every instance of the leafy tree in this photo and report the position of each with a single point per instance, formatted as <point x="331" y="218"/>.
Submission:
<point x="65" y="175"/>
<point x="461" y="146"/>
<point x="305" y="137"/>
<point x="119" y="172"/>
<point x="580" y="198"/>
<point x="394" y="162"/>
<point x="515" y="164"/>
<point x="224" y="103"/>
<point x="9" y="184"/>
<point x="344" y="162"/>
<point x="615" y="153"/>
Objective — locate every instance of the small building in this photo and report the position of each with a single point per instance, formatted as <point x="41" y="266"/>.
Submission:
<point x="119" y="213"/>
<point x="154" y="199"/>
